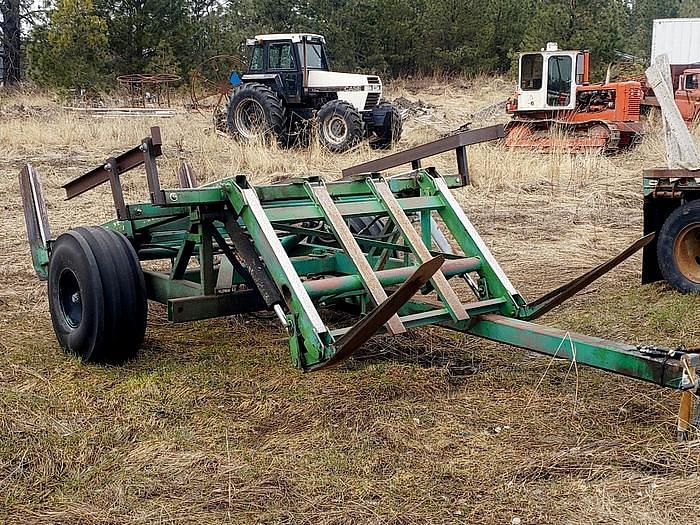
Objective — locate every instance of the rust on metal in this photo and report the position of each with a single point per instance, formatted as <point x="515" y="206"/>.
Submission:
<point x="686" y="252"/>
<point x="668" y="173"/>
<point x="125" y="162"/>
<point x="368" y="325"/>
<point x="342" y="232"/>
<point x="689" y="403"/>
<point x="36" y="216"/>
<point x="115" y="184"/>
<point x="147" y="88"/>
<point x="349" y="283"/>
<point x="413" y="156"/>
<point x="186" y="176"/>
<point x="403" y="223"/>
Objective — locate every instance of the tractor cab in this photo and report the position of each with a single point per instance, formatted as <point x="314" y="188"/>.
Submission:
<point x="287" y="52"/>
<point x="547" y="79"/>
<point x="287" y="59"/>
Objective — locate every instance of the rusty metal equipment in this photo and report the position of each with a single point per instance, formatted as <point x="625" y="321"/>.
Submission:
<point x="210" y="85"/>
<point x="415" y="156"/>
<point x="369" y="245"/>
<point x="556" y="105"/>
<point x="147" y="90"/>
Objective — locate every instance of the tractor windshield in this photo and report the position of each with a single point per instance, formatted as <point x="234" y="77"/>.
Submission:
<point x="315" y="57"/>
<point x="281" y="56"/>
<point x="559" y="81"/>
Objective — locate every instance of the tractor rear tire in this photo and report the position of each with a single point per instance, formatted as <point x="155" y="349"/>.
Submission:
<point x="255" y="112"/>
<point x="678" y="248"/>
<point x="390" y="133"/>
<point x="97" y="295"/>
<point x="339" y="126"/>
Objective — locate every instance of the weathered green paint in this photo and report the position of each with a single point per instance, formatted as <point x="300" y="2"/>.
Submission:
<point x="40" y="261"/>
<point x="600" y="353"/>
<point x="181" y="230"/>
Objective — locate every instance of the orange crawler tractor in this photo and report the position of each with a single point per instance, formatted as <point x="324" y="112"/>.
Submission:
<point x="554" y="93"/>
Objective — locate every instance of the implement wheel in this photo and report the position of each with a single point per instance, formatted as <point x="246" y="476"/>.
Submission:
<point x="678" y="248"/>
<point x="97" y="295"/>
<point x="339" y="126"/>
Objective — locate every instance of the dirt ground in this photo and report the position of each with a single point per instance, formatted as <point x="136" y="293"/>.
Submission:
<point x="211" y="424"/>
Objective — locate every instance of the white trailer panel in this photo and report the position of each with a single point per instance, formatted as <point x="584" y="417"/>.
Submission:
<point x="679" y="38"/>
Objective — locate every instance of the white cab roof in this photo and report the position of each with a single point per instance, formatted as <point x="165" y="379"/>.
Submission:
<point x="294" y="37"/>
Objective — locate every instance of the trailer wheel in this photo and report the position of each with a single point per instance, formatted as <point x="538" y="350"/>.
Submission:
<point x="390" y="132"/>
<point x="339" y="125"/>
<point x="255" y="112"/>
<point x="97" y="295"/>
<point x="678" y="248"/>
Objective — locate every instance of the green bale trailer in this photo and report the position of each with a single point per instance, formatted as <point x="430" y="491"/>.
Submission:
<point x="368" y="244"/>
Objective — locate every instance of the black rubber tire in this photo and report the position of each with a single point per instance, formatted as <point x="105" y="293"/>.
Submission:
<point x="680" y="273"/>
<point x="352" y="120"/>
<point x="366" y="226"/>
<point x="271" y="105"/>
<point x="101" y="266"/>
<point x="387" y="136"/>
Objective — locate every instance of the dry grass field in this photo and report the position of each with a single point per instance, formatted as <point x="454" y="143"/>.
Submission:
<point x="211" y="424"/>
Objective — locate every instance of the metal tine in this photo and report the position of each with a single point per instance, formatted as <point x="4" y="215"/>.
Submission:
<point x="334" y="219"/>
<point x="550" y="300"/>
<point x="36" y="216"/>
<point x="368" y="325"/>
<point x="447" y="295"/>
<point x="186" y="176"/>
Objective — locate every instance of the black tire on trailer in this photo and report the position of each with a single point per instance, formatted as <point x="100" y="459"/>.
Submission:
<point x="678" y="248"/>
<point x="339" y="126"/>
<point x="255" y="112"/>
<point x="97" y="295"/>
<point x="390" y="133"/>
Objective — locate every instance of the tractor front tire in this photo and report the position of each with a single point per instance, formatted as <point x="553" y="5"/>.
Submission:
<point x="97" y="295"/>
<point x="339" y="126"/>
<point x="678" y="248"/>
<point x="255" y="112"/>
<point x="390" y="131"/>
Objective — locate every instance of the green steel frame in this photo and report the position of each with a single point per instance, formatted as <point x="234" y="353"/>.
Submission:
<point x="231" y="248"/>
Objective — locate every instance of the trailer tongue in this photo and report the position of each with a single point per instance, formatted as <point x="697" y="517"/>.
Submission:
<point x="368" y="244"/>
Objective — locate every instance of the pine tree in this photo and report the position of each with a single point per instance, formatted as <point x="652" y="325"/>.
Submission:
<point x="71" y="50"/>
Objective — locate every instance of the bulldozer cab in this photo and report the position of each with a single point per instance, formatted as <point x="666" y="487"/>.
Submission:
<point x="690" y="80"/>
<point x="548" y="79"/>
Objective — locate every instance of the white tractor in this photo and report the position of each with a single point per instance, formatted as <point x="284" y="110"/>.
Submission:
<point x="289" y="83"/>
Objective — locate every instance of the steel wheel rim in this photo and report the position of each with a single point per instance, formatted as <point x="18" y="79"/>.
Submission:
<point x="69" y="298"/>
<point x="686" y="252"/>
<point x="250" y="119"/>
<point x="335" y="129"/>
